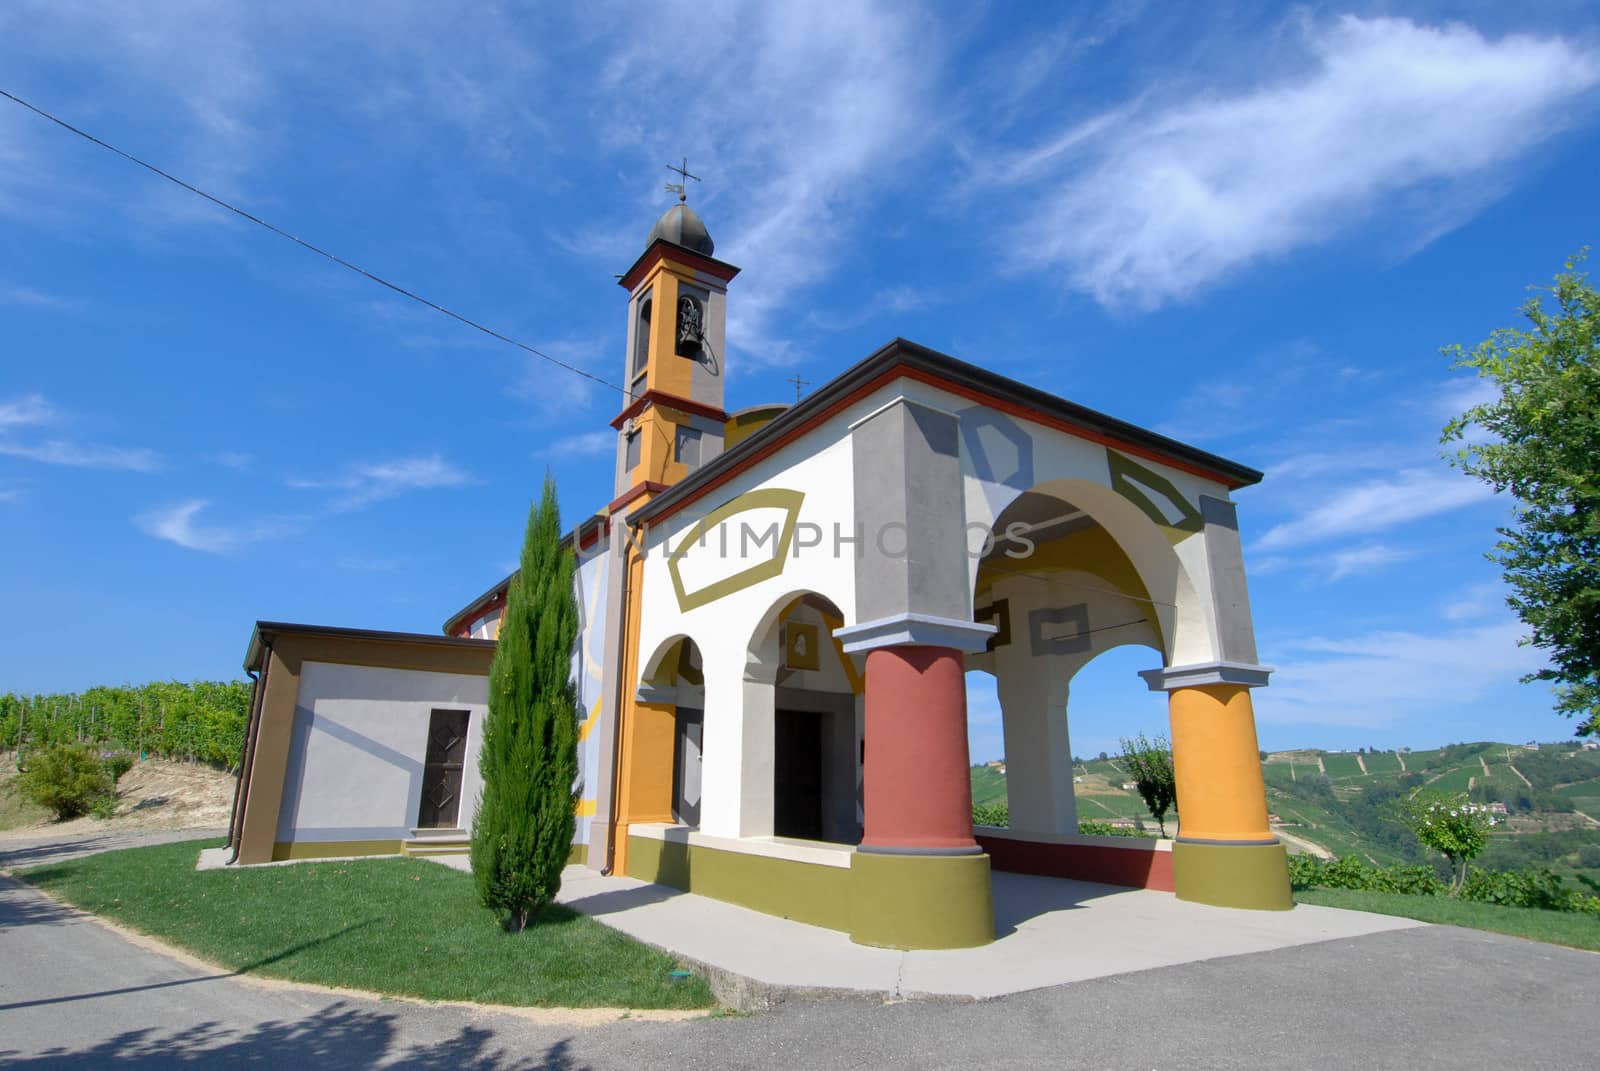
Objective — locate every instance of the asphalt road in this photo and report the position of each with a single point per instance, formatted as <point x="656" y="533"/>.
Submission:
<point x="76" y="995"/>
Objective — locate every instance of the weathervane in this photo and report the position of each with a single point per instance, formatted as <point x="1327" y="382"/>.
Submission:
<point x="680" y="188"/>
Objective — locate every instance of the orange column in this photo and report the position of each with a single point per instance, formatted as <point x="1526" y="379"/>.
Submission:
<point x="917" y="788"/>
<point x="1217" y="764"/>
<point x="1225" y="853"/>
<point x="644" y="777"/>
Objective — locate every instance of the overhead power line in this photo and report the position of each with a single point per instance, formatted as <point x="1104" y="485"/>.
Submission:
<point x="280" y="232"/>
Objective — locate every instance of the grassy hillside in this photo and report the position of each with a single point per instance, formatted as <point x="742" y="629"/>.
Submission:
<point x="1345" y="801"/>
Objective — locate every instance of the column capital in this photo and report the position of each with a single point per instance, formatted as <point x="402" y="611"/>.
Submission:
<point x="1169" y="678"/>
<point x="922" y="630"/>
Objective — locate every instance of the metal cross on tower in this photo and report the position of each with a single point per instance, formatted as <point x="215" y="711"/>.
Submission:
<point x="798" y="383"/>
<point x="680" y="188"/>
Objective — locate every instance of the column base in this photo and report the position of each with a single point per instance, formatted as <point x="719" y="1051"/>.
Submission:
<point x="1251" y="876"/>
<point x="920" y="901"/>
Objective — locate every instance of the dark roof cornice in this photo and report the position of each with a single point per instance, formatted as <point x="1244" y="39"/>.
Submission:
<point x="903" y="359"/>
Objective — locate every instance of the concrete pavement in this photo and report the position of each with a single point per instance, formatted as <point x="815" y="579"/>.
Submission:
<point x="1051" y="932"/>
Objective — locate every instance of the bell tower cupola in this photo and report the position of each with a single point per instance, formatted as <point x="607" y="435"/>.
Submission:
<point x="673" y="418"/>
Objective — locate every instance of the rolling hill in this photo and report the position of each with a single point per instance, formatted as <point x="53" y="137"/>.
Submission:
<point x="1345" y="801"/>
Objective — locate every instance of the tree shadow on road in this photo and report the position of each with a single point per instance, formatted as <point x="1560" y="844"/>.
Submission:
<point x="338" y="1036"/>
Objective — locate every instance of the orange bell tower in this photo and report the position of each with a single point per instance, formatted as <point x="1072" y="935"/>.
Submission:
<point x="672" y="423"/>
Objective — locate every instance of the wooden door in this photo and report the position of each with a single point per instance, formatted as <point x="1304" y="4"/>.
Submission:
<point x="442" y="768"/>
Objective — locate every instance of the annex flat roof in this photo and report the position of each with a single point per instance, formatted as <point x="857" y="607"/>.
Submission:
<point x="266" y="631"/>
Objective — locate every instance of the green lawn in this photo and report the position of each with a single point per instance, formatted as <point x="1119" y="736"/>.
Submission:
<point x="401" y="926"/>
<point x="1552" y="927"/>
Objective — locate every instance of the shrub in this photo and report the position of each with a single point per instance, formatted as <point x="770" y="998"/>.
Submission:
<point x="104" y="807"/>
<point x="991" y="814"/>
<point x="1092" y="828"/>
<point x="1307" y="872"/>
<point x="66" y="779"/>
<point x="1541" y="888"/>
<point x="117" y="763"/>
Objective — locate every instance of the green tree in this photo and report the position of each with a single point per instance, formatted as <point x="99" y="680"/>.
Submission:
<point x="1452" y="826"/>
<point x="1149" y="763"/>
<point x="1543" y="446"/>
<point x="522" y="832"/>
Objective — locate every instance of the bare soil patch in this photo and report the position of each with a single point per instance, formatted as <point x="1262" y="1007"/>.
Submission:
<point x="155" y="794"/>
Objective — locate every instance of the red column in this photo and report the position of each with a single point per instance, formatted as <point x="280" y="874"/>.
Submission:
<point x="917" y="788"/>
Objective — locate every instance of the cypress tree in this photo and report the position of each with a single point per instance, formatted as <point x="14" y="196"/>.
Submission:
<point x="523" y="829"/>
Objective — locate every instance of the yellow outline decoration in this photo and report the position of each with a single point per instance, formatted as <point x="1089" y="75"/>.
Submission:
<point x="763" y="498"/>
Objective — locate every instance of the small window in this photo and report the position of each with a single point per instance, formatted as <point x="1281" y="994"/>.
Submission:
<point x="686" y="447"/>
<point x="634" y="446"/>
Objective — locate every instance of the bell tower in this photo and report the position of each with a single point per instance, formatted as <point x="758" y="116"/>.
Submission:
<point x="672" y="422"/>
<point x="677" y="306"/>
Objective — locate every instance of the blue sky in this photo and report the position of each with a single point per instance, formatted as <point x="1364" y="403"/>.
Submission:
<point x="1252" y="230"/>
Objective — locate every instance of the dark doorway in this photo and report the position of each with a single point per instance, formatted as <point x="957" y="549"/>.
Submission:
<point x="686" y="767"/>
<point x="441" y="770"/>
<point x="797" y="775"/>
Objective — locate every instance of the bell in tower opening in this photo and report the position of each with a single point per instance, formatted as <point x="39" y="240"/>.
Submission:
<point x="691" y="325"/>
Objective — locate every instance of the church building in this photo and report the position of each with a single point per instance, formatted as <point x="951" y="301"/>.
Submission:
<point x="778" y="610"/>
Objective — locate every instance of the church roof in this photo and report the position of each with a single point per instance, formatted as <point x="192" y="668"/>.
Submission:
<point x="902" y="358"/>
<point x="681" y="225"/>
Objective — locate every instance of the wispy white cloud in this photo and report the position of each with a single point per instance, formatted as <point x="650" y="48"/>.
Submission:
<point x="33" y="410"/>
<point x="233" y="459"/>
<point x="1377" y="505"/>
<point x="1332" y="566"/>
<point x="794" y="107"/>
<point x="365" y="483"/>
<point x="374" y="564"/>
<point x="84" y="456"/>
<point x="30" y="409"/>
<point x="552" y="389"/>
<point x="1159" y="197"/>
<point x="179" y="523"/>
<point x="1461" y="394"/>
<point x="1476" y="602"/>
<point x="1365" y="559"/>
<point x="585" y="444"/>
<point x="29" y="297"/>
<point x="11" y="494"/>
<point x="1387" y="678"/>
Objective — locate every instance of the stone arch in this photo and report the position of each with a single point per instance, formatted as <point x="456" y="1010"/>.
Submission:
<point x="673" y="682"/>
<point x="1075" y="570"/>
<point x="1143" y="553"/>
<point x="800" y="761"/>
